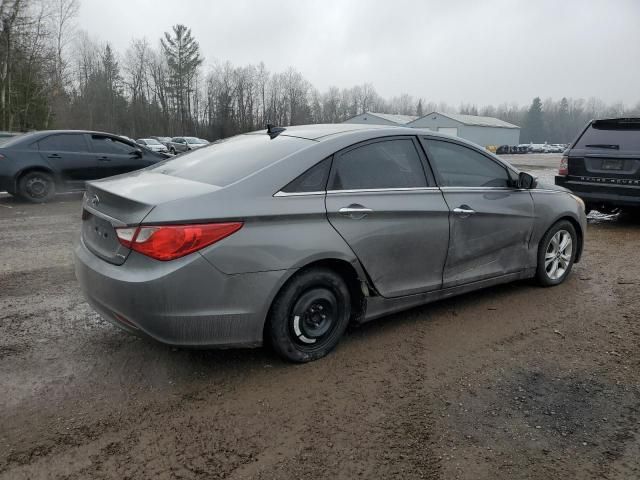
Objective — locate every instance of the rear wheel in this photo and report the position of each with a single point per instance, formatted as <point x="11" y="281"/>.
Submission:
<point x="37" y="187"/>
<point x="556" y="253"/>
<point x="309" y="315"/>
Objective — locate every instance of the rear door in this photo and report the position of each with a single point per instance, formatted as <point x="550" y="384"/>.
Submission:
<point x="491" y="222"/>
<point x="389" y="211"/>
<point x="68" y="155"/>
<point x="115" y="156"/>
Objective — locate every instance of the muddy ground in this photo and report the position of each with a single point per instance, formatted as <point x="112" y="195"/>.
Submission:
<point x="511" y="382"/>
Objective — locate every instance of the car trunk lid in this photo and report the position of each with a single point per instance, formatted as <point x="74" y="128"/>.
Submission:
<point x="126" y="201"/>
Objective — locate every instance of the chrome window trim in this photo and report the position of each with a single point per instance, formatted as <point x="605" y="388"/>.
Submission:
<point x="298" y="194"/>
<point x="361" y="190"/>
<point x="478" y="189"/>
<point x="379" y="190"/>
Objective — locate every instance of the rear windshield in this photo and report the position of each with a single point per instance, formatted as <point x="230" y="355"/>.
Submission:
<point x="227" y="161"/>
<point x="611" y="136"/>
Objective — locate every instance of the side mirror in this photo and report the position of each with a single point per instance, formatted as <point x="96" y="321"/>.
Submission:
<point x="527" y="181"/>
<point x="137" y="153"/>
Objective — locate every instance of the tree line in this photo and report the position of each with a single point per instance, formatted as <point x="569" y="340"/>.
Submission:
<point x="55" y="75"/>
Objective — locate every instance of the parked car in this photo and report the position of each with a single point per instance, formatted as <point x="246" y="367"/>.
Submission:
<point x="152" y="144"/>
<point x="503" y="149"/>
<point x="36" y="165"/>
<point x="537" y="147"/>
<point x="602" y="165"/>
<point x="185" y="144"/>
<point x="553" y="148"/>
<point x="291" y="234"/>
<point x="163" y="140"/>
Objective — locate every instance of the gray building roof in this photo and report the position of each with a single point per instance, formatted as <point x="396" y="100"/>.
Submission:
<point x="390" y="117"/>
<point x="475" y="120"/>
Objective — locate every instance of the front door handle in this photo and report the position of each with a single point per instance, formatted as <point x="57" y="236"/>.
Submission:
<point x="464" y="211"/>
<point x="104" y="159"/>
<point x="53" y="155"/>
<point x="355" y="211"/>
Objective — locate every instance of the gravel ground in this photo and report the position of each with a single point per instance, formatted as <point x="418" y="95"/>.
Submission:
<point x="511" y="382"/>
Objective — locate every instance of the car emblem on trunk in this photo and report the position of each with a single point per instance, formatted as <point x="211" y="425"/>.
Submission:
<point x="95" y="200"/>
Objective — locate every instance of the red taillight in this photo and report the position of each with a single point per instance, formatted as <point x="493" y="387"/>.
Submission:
<point x="564" y="166"/>
<point x="167" y="242"/>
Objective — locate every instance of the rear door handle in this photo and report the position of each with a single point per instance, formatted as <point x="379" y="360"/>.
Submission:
<point x="355" y="211"/>
<point x="104" y="159"/>
<point x="464" y="211"/>
<point x="53" y="155"/>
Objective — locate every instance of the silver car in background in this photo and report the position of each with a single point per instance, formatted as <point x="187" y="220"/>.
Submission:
<point x="152" y="144"/>
<point x="185" y="144"/>
<point x="286" y="236"/>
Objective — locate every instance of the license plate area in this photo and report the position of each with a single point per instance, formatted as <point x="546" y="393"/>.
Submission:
<point x="612" y="164"/>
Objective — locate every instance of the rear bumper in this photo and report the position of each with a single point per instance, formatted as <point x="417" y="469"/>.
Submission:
<point x="614" y="194"/>
<point x="185" y="302"/>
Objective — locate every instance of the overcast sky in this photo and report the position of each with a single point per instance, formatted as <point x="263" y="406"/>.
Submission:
<point x="481" y="52"/>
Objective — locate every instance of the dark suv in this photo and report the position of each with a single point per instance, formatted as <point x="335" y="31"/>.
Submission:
<point x="603" y="165"/>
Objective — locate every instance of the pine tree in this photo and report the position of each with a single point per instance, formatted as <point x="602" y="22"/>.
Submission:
<point x="419" y="111"/>
<point x="182" y="52"/>
<point x="533" y="130"/>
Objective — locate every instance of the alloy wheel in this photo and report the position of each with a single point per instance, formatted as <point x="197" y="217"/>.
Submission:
<point x="557" y="258"/>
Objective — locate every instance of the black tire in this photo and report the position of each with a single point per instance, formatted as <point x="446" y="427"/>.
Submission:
<point x="309" y="315"/>
<point x="36" y="187"/>
<point x="562" y="259"/>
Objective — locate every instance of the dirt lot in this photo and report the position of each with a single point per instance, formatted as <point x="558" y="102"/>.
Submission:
<point x="511" y="382"/>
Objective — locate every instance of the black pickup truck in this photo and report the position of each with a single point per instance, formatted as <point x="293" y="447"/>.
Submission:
<point x="603" y="165"/>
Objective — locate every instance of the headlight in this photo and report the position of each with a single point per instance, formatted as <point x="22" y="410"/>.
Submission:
<point x="579" y="200"/>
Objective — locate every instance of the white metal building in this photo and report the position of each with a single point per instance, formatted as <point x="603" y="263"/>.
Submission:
<point x="381" y="119"/>
<point x="484" y="131"/>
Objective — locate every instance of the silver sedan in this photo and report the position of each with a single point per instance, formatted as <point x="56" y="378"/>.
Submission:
<point x="286" y="236"/>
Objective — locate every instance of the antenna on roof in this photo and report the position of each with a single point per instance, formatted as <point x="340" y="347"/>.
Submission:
<point x="274" y="131"/>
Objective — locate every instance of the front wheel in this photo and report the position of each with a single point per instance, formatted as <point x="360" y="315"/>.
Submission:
<point x="309" y="315"/>
<point x="556" y="254"/>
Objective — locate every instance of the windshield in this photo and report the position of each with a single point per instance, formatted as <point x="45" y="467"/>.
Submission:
<point x="151" y="141"/>
<point x="227" y="161"/>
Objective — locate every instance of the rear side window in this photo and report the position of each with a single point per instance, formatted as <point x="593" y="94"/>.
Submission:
<point x="110" y="145"/>
<point x="313" y="180"/>
<point x="611" y="136"/>
<point x="66" y="142"/>
<point x="459" y="166"/>
<point x="227" y="161"/>
<point x="384" y="164"/>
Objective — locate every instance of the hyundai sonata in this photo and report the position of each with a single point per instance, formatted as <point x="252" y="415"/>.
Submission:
<point x="288" y="235"/>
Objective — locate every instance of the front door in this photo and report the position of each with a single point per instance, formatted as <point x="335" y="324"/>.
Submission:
<point x="115" y="156"/>
<point x="391" y="214"/>
<point x="491" y="221"/>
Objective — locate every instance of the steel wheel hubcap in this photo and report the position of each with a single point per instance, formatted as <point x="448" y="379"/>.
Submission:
<point x="38" y="187"/>
<point x="558" y="255"/>
<point x="314" y="316"/>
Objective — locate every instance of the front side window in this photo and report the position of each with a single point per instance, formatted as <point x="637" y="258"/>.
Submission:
<point x="459" y="166"/>
<point x="110" y="145"/>
<point x="66" y="142"/>
<point x="384" y="164"/>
